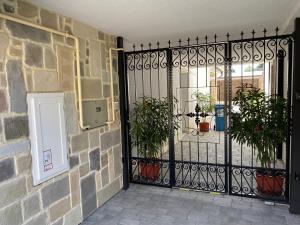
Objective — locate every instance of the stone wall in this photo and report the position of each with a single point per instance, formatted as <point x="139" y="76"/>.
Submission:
<point x="32" y="60"/>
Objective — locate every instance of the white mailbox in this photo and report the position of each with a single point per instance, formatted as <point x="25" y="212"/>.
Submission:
<point x="48" y="135"/>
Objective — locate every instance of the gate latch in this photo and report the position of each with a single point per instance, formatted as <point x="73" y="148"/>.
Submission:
<point x="297" y="176"/>
<point x="297" y="95"/>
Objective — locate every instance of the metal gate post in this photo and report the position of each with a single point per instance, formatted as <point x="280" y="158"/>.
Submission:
<point x="295" y="153"/>
<point x="228" y="141"/>
<point x="171" y="115"/>
<point x="280" y="87"/>
<point x="123" y="93"/>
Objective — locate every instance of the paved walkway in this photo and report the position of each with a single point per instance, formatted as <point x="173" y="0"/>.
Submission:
<point x="148" y="205"/>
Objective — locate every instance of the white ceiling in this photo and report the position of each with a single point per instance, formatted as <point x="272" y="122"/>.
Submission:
<point x="151" y="20"/>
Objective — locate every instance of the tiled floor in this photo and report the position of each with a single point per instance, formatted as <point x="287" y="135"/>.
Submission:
<point x="148" y="205"/>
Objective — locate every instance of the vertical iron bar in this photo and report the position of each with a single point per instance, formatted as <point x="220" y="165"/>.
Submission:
<point x="171" y="122"/>
<point x="289" y="102"/>
<point x="229" y="102"/>
<point x="123" y="90"/>
<point x="280" y="87"/>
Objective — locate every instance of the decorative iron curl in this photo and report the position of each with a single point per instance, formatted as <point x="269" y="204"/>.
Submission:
<point x="163" y="62"/>
<point x="270" y="51"/>
<point x="193" y="56"/>
<point x="130" y="62"/>
<point x="247" y="56"/>
<point x="176" y="59"/>
<point x="257" y="48"/>
<point x="201" y="55"/>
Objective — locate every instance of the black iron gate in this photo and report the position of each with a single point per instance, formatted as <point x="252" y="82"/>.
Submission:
<point x="185" y="77"/>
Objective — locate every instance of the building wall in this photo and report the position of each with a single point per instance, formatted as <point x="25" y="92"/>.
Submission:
<point x="36" y="61"/>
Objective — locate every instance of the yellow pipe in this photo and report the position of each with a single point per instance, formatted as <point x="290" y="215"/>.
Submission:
<point x="30" y="24"/>
<point x="111" y="82"/>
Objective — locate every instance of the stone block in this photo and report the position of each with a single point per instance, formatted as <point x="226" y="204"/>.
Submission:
<point x="50" y="59"/>
<point x="75" y="190"/>
<point x="14" y="148"/>
<point x="106" y="90"/>
<point x="80" y="142"/>
<point x="11" y="215"/>
<point x="26" y="32"/>
<point x="103" y="56"/>
<point x="45" y="81"/>
<point x="94" y="138"/>
<point x="74" y="217"/>
<point x="59" y="222"/>
<point x="107" y="192"/>
<point x="7" y="169"/>
<point x="118" y="166"/>
<point x="33" y="55"/>
<point x="82" y="48"/>
<point x="84" y="31"/>
<point x="16" y="127"/>
<point x="84" y="157"/>
<point x="27" y="10"/>
<point x="100" y="35"/>
<point x="31" y="206"/>
<point x="4" y="40"/>
<point x="12" y="191"/>
<point x="71" y="114"/>
<point x="65" y="59"/>
<point x="104" y="159"/>
<point x="91" y="88"/>
<point x="95" y="58"/>
<point x="110" y="139"/>
<point x="3" y="81"/>
<point x="15" y="52"/>
<point x="3" y="101"/>
<point x="105" y="76"/>
<point x="24" y="163"/>
<point x="55" y="191"/>
<point x="59" y="209"/>
<point x="115" y="65"/>
<point x="105" y="176"/>
<point x="8" y="8"/>
<point x="95" y="159"/>
<point x="88" y="195"/>
<point x="74" y="161"/>
<point x="16" y="83"/>
<point x="39" y="220"/>
<point x="84" y="169"/>
<point x="49" y="19"/>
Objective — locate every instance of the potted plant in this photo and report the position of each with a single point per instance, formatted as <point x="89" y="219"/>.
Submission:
<point x="205" y="103"/>
<point x="149" y="131"/>
<point x="261" y="123"/>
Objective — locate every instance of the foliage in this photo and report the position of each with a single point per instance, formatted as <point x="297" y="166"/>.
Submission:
<point x="206" y="102"/>
<point x="150" y="125"/>
<point x="261" y="122"/>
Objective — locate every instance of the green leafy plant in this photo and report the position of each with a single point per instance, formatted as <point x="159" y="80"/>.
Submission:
<point x="150" y="125"/>
<point x="206" y="103"/>
<point x="261" y="122"/>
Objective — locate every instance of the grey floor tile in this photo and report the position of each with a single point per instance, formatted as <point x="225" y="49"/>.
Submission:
<point x="147" y="205"/>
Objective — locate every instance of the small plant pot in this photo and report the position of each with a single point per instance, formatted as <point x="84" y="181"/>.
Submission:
<point x="150" y="170"/>
<point x="269" y="184"/>
<point x="204" y="127"/>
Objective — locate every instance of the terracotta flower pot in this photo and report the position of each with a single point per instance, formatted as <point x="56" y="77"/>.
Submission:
<point x="150" y="170"/>
<point x="269" y="184"/>
<point x="204" y="127"/>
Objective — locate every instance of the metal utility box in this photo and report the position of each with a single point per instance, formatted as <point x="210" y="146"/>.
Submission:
<point x="94" y="113"/>
<point x="47" y="135"/>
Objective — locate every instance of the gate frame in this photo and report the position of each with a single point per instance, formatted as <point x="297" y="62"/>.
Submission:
<point x="124" y="107"/>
